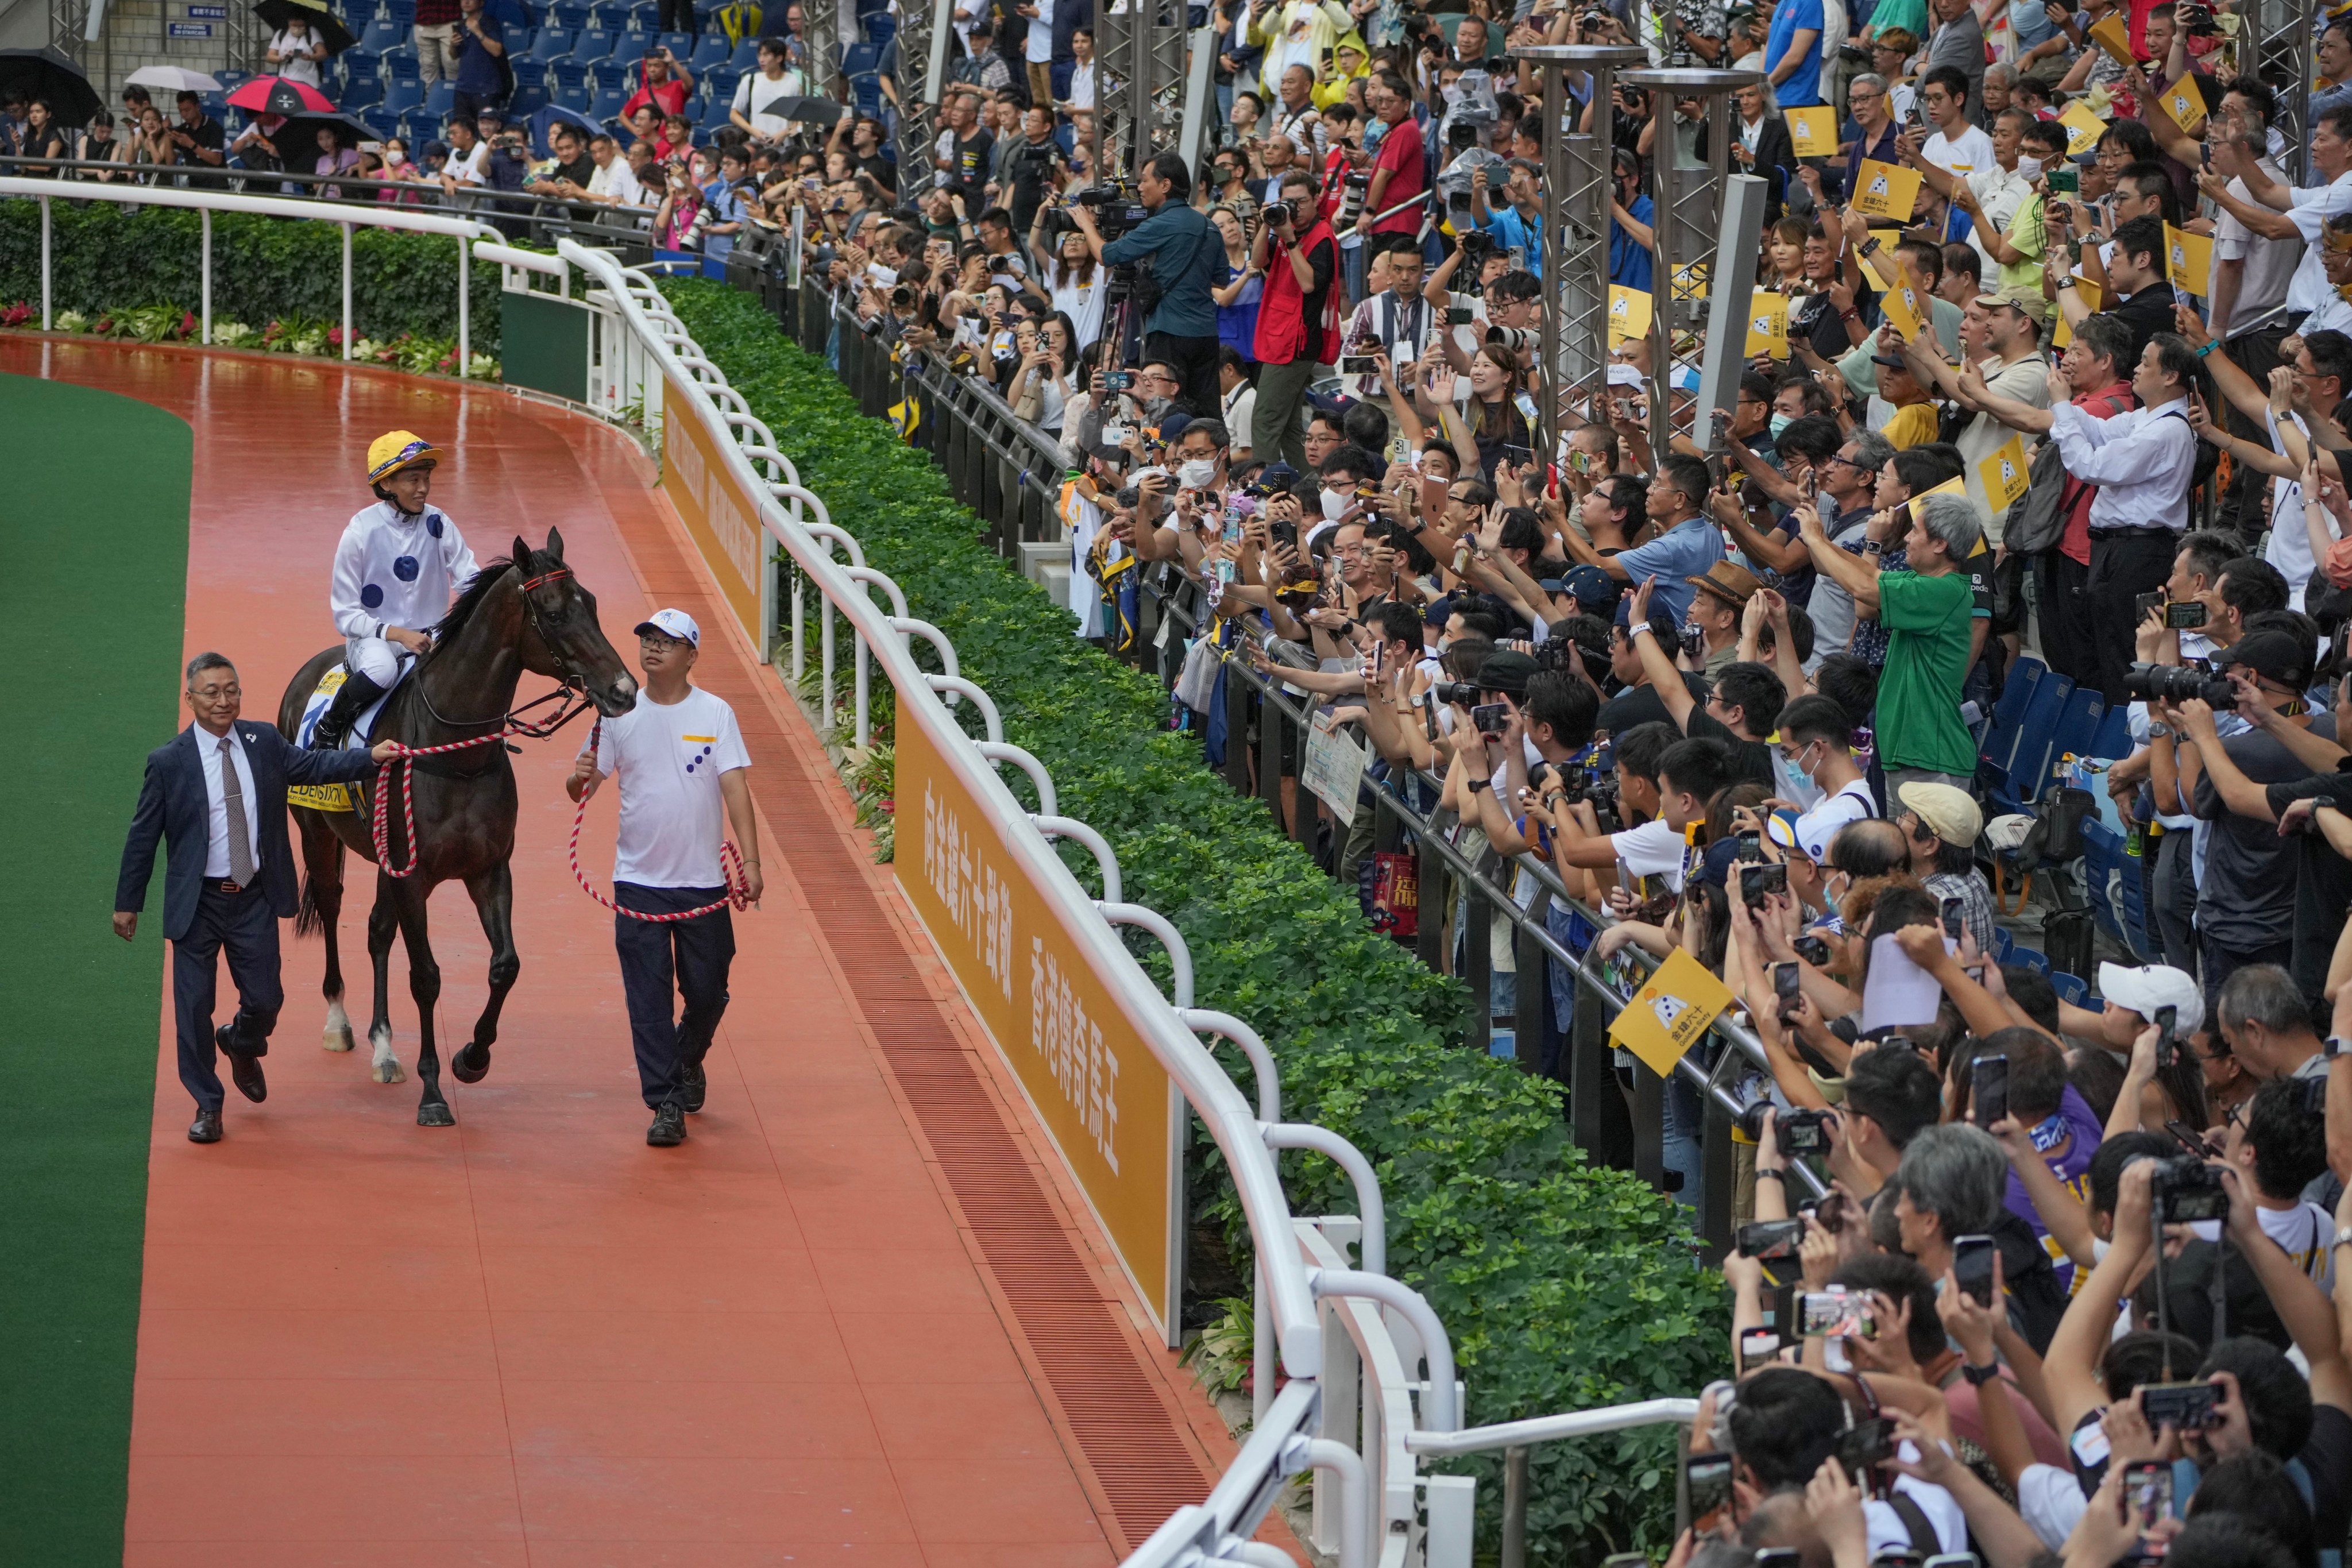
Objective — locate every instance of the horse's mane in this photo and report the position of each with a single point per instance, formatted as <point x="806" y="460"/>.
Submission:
<point x="471" y="600"/>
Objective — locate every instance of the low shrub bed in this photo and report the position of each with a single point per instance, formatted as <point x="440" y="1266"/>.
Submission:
<point x="1564" y="1286"/>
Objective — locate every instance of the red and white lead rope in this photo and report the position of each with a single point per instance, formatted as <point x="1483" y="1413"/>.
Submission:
<point x="731" y="865"/>
<point x="407" y="775"/>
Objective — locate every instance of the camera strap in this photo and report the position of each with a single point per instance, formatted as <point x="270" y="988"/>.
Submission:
<point x="2217" y="1290"/>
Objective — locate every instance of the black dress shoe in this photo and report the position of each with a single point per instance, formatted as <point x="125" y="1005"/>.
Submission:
<point x="668" y="1130"/>
<point x="244" y="1070"/>
<point x="205" y="1128"/>
<point x="693" y="1084"/>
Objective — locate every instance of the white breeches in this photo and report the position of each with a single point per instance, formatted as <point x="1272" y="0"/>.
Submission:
<point x="375" y="658"/>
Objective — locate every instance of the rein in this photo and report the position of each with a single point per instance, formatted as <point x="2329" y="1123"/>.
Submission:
<point x="731" y="865"/>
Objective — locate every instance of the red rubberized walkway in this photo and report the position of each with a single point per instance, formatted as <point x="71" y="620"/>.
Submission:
<point x="857" y="1318"/>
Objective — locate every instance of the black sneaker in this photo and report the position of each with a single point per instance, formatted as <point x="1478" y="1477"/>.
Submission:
<point x="693" y="1084"/>
<point x="668" y="1130"/>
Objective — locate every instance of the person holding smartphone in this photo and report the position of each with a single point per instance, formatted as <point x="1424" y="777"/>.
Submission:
<point x="1299" y="256"/>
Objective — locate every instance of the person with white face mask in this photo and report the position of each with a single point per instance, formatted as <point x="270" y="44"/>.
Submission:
<point x="1343" y="470"/>
<point x="1816" y="742"/>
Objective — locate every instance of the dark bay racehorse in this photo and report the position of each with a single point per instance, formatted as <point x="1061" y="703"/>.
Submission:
<point x="526" y="613"/>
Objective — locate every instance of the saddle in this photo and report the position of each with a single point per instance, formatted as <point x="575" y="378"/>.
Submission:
<point x="339" y="797"/>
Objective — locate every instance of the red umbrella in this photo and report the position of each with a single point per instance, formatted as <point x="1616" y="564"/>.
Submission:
<point x="276" y="95"/>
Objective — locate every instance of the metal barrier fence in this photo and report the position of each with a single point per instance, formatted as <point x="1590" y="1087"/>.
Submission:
<point x="1008" y="472"/>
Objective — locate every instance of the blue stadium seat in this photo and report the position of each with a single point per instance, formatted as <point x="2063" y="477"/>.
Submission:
<point x="606" y="105"/>
<point x="565" y="78"/>
<point x="400" y="65"/>
<point x="362" y="93"/>
<point x="633" y="45"/>
<point x="402" y="95"/>
<point x="216" y="104"/>
<point x="509" y="13"/>
<point x="441" y="99"/>
<point x="746" y="56"/>
<point x="2003" y="944"/>
<point x="609" y="75"/>
<point x="714" y="114"/>
<point x="568" y="14"/>
<point x="642" y="16"/>
<point x="2015" y="787"/>
<point x="593" y="44"/>
<point x="679" y="44"/>
<point x="2078" y="726"/>
<point x="379" y="122"/>
<point x="573" y="98"/>
<point x="546" y="43"/>
<point x="1998" y="746"/>
<point x="382" y="35"/>
<point x="2032" y="958"/>
<point x="720" y="83"/>
<point x="2114" y="740"/>
<point x="881" y="27"/>
<point x="402" y="14"/>
<point x="527" y="102"/>
<point x="2070" y="988"/>
<point x="360" y="65"/>
<point x="711" y="52"/>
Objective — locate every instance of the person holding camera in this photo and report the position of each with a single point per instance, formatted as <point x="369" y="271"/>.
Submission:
<point x="1299" y="256"/>
<point x="1184" y="250"/>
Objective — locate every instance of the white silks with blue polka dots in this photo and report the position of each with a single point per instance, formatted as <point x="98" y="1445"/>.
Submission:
<point x="393" y="570"/>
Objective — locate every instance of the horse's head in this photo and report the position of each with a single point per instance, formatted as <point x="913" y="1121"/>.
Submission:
<point x="563" y="638"/>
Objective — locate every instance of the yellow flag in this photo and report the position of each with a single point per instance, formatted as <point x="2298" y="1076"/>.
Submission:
<point x="2113" y="35"/>
<point x="1948" y="487"/>
<point x="1814" y="133"/>
<point x="1671" y="1013"/>
<point x="1690" y="282"/>
<point x="1904" y="308"/>
<point x="1629" y="313"/>
<point x="2004" y="474"/>
<point x="2084" y="128"/>
<point x="1888" y="237"/>
<point x="1767" y="326"/>
<point x="2188" y="261"/>
<point x="1885" y="190"/>
<point x="2183" y="104"/>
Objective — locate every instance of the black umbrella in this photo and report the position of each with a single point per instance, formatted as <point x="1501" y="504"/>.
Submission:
<point x="802" y="110"/>
<point x="47" y="74"/>
<point x="328" y="26"/>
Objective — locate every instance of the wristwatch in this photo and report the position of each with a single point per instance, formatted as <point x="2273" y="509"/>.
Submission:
<point x="1771" y="1173"/>
<point x="2159" y="731"/>
<point x="2067" y="282"/>
<point x="1869" y="247"/>
<point x="2342" y="1237"/>
<point x="1477" y="784"/>
<point x="2335" y="1045"/>
<point x="1979" y="1375"/>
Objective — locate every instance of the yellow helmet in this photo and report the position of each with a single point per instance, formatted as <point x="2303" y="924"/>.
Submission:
<point x="389" y="453"/>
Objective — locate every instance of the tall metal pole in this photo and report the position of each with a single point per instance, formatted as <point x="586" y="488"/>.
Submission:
<point x="1687" y="224"/>
<point x="1577" y="184"/>
<point x="2275" y="43"/>
<point x="925" y="38"/>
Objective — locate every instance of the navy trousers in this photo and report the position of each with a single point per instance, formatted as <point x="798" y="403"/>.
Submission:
<point x="684" y="960"/>
<point x="241" y="923"/>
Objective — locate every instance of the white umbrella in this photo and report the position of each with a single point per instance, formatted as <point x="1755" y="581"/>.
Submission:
<point x="172" y="79"/>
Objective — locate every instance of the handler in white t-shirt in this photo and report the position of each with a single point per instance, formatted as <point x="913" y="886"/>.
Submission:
<point x="680" y="758"/>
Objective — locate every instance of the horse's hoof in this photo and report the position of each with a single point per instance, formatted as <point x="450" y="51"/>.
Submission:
<point x="389" y="1070"/>
<point x="471" y="1064"/>
<point x="436" y="1115"/>
<point x="340" y="1039"/>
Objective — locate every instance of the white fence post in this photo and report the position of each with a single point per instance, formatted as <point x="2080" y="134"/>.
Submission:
<point x="205" y="289"/>
<point x="44" y="264"/>
<point x="347" y="292"/>
<point x="464" y="307"/>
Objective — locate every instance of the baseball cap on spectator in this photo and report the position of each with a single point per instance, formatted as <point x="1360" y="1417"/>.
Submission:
<point x="1949" y="812"/>
<point x="1780" y="827"/>
<point x="2274" y="655"/>
<point x="1172" y="425"/>
<point x="1507" y="670"/>
<point x="2026" y="301"/>
<point x="1277" y="477"/>
<point x="2152" y="985"/>
<point x="1591" y="586"/>
<point x="675" y="624"/>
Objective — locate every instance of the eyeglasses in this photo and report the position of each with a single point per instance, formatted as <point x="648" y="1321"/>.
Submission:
<point x="662" y="645"/>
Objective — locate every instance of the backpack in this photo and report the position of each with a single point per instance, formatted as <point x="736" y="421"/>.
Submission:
<point x="2037" y="520"/>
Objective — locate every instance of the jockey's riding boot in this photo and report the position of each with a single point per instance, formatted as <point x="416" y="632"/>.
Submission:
<point x="352" y="699"/>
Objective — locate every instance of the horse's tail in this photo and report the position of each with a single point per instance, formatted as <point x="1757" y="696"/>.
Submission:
<point x="309" y="919"/>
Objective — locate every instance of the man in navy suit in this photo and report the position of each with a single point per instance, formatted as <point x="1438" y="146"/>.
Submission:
<point x="217" y="796"/>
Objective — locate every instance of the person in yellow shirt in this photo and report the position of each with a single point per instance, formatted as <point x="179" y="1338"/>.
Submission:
<point x="1349" y="59"/>
<point x="1914" y="420"/>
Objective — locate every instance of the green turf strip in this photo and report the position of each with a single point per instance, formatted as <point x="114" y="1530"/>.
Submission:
<point x="93" y="582"/>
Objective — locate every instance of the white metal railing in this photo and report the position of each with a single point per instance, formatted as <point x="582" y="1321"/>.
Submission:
<point x="1366" y="1481"/>
<point x="348" y="215"/>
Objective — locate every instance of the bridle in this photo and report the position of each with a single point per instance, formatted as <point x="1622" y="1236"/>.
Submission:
<point x="571" y="693"/>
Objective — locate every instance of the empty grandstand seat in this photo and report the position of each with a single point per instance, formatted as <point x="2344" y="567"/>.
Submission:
<point x="526" y="100"/>
<point x="441" y="99"/>
<point x="606" y="107"/>
<point x="402" y="95"/>
<point x="746" y="56"/>
<point x="593" y="44"/>
<point x="400" y="65"/>
<point x="573" y="98"/>
<point x="2070" y="988"/>
<point x="712" y="52"/>
<point x="567" y="76"/>
<point x="609" y="75"/>
<point x="568" y="14"/>
<point x="2032" y="958"/>
<point x="1998" y="746"/>
<point x="381" y="34"/>
<point x="379" y="121"/>
<point x="546" y="43"/>
<point x="679" y="44"/>
<point x="2015" y="787"/>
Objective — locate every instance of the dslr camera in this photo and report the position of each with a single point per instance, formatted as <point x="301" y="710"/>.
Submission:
<point x="2178" y="683"/>
<point x="1795" y="1131"/>
<point x="2187" y="1190"/>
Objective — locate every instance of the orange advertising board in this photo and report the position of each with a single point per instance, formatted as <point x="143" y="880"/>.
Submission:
<point x="723" y="522"/>
<point x="1099" y="1091"/>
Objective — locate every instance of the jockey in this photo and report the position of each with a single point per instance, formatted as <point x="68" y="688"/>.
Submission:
<point x="396" y="569"/>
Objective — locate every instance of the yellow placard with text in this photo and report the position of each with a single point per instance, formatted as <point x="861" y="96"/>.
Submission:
<point x="1629" y="313"/>
<point x="2004" y="474"/>
<point x="1690" y="282"/>
<point x="719" y="516"/>
<point x="1671" y="1013"/>
<point x="1904" y="308"/>
<point x="2113" y="35"/>
<point x="2188" y="261"/>
<point x="1101" y="1095"/>
<point x="2062" y="332"/>
<point x="2083" y="127"/>
<point x="2183" y="104"/>
<point x="1948" y="487"/>
<point x="1767" y="326"/>
<point x="1812" y="132"/>
<point x="1885" y="190"/>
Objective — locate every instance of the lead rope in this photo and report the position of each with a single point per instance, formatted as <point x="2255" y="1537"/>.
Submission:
<point x="731" y="865"/>
<point x="401" y="755"/>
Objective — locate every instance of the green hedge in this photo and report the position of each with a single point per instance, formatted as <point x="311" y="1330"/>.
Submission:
<point x="1564" y="1286"/>
<point x="106" y="258"/>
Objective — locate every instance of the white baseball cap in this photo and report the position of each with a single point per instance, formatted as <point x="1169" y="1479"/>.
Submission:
<point x="672" y="624"/>
<point x="2153" y="986"/>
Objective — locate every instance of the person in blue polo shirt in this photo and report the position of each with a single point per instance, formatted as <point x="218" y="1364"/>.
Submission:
<point x="1792" y="54"/>
<point x="1688" y="542"/>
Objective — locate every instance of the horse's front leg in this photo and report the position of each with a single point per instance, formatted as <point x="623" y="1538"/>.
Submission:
<point x="493" y="894"/>
<point x="408" y="898"/>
